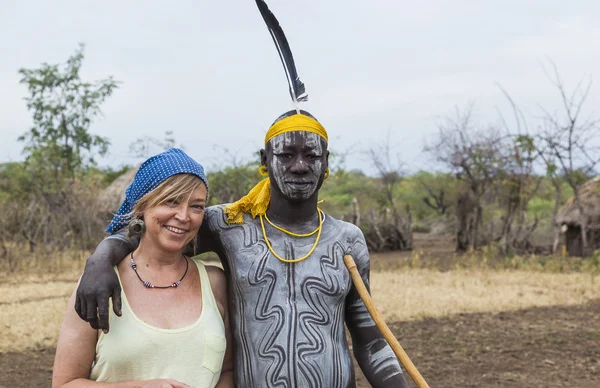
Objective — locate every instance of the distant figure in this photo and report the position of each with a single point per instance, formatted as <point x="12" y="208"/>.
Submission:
<point x="174" y="328"/>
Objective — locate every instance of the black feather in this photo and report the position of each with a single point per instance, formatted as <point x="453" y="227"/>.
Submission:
<point x="297" y="89"/>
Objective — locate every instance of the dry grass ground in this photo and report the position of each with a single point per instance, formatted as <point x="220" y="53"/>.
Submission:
<point x="422" y="293"/>
<point x="32" y="304"/>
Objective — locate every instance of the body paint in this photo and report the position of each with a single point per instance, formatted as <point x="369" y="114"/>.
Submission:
<point x="302" y="168"/>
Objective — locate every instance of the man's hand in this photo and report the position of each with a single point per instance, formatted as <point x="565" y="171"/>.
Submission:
<point x="98" y="283"/>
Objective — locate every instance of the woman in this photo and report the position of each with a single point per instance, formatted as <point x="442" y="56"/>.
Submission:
<point x="174" y="329"/>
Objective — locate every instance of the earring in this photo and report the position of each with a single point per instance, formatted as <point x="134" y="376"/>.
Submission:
<point x="137" y="227"/>
<point x="326" y="173"/>
<point x="262" y="170"/>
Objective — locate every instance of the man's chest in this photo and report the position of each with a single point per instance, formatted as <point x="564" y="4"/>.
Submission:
<point x="296" y="270"/>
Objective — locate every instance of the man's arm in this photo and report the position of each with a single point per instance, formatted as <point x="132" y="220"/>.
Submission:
<point x="99" y="281"/>
<point x="209" y="239"/>
<point x="372" y="352"/>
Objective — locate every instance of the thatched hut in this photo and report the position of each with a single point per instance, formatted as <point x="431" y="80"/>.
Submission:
<point x="111" y="197"/>
<point x="569" y="219"/>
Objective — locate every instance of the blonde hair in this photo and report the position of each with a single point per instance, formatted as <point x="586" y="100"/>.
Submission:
<point x="173" y="188"/>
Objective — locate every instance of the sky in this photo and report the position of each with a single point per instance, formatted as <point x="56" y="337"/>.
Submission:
<point x="376" y="72"/>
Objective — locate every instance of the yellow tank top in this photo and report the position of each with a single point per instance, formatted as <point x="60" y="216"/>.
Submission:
<point x="134" y="350"/>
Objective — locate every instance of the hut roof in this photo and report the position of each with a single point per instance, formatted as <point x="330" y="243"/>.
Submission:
<point x="111" y="197"/>
<point x="589" y="194"/>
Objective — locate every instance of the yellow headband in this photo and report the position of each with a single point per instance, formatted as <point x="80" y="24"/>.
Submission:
<point x="257" y="200"/>
<point x="295" y="123"/>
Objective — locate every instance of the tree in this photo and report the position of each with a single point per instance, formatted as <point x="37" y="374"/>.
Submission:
<point x="517" y="186"/>
<point x="390" y="230"/>
<point x="63" y="108"/>
<point x="233" y="177"/>
<point x="519" y="182"/>
<point x="568" y="147"/>
<point x="59" y="149"/>
<point x="436" y="190"/>
<point x="475" y="155"/>
<point x="143" y="146"/>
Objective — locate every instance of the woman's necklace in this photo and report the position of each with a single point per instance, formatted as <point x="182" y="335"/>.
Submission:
<point x="318" y="230"/>
<point x="147" y="284"/>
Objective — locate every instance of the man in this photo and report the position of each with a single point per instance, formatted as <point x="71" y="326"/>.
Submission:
<point x="289" y="290"/>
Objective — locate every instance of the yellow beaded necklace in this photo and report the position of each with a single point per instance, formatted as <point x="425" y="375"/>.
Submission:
<point x="279" y="228"/>
<point x="318" y="231"/>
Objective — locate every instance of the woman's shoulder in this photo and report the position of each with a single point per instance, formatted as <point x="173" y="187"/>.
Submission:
<point x="216" y="276"/>
<point x="218" y="285"/>
<point x="215" y="273"/>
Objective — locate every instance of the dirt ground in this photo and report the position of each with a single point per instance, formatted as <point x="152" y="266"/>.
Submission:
<point x="539" y="347"/>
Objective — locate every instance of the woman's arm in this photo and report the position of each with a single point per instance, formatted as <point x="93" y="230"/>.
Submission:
<point x="76" y="349"/>
<point x="218" y="284"/>
<point x="159" y="383"/>
<point x="75" y="352"/>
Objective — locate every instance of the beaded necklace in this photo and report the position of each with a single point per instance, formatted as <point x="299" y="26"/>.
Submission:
<point x="318" y="230"/>
<point x="147" y="284"/>
<point x="279" y="228"/>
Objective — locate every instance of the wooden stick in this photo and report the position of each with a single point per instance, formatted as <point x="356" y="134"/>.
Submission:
<point x="381" y="325"/>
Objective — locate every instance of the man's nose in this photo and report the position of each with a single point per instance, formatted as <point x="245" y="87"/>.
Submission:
<point x="299" y="166"/>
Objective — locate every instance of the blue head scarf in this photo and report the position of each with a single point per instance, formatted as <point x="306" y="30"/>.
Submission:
<point x="152" y="173"/>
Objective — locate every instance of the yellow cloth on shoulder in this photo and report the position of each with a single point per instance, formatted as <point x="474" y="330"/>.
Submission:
<point x="256" y="202"/>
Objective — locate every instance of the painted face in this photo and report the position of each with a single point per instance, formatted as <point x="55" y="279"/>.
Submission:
<point x="296" y="164"/>
<point x="172" y="225"/>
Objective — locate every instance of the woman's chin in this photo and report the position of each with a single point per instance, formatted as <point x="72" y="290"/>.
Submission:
<point x="174" y="246"/>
